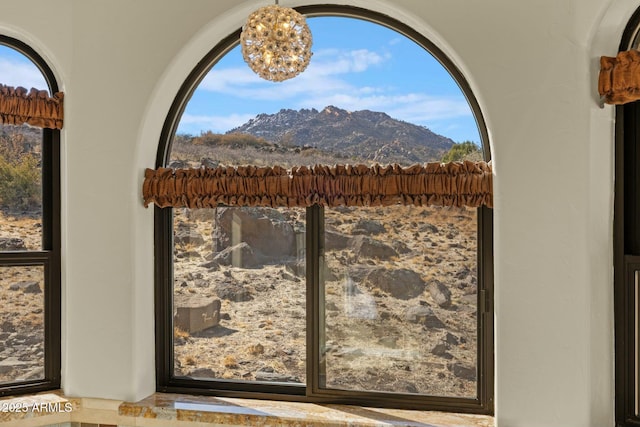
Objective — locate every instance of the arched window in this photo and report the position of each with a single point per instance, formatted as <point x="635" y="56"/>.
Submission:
<point x="29" y="236"/>
<point x="627" y="251"/>
<point x="362" y="302"/>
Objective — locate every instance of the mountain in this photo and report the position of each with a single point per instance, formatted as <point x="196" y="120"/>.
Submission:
<point x="368" y="135"/>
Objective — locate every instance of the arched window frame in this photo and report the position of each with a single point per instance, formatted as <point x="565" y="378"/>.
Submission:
<point x="627" y="249"/>
<point x="49" y="255"/>
<point x="484" y="401"/>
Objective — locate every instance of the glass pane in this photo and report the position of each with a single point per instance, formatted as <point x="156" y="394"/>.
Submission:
<point x="21" y="323"/>
<point x="239" y="294"/>
<point x="400" y="296"/>
<point x="20" y="188"/>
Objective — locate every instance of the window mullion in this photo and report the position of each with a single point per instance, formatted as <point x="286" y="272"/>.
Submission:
<point x="313" y="253"/>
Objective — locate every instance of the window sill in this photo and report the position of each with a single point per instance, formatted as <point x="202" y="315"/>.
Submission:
<point x="170" y="410"/>
<point x="248" y="412"/>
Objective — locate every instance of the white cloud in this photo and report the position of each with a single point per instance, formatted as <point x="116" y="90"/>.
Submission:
<point x="321" y="76"/>
<point x="21" y="74"/>
<point x="189" y="122"/>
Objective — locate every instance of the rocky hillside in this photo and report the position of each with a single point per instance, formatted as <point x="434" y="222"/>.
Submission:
<point x="373" y="135"/>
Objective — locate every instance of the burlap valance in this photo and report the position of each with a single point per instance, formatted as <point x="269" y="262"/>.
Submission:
<point x="34" y="107"/>
<point x="619" y="80"/>
<point x="450" y="184"/>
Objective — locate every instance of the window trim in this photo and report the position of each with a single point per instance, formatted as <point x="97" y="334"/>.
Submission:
<point x="165" y="382"/>
<point x="49" y="255"/>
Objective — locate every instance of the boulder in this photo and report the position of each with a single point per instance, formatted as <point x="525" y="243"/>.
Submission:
<point x="440" y="293"/>
<point x="368" y="227"/>
<point x="240" y="256"/>
<point x="232" y="291"/>
<point x="11" y="244"/>
<point x="334" y="240"/>
<point x="194" y="314"/>
<point x="366" y="247"/>
<point x="267" y="231"/>
<point x="28" y="287"/>
<point x="185" y="237"/>
<point x="400" y="283"/>
<point x="463" y="372"/>
<point x="202" y="373"/>
<point x="423" y="315"/>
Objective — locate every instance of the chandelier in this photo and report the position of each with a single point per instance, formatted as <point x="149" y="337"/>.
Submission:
<point x="276" y="43"/>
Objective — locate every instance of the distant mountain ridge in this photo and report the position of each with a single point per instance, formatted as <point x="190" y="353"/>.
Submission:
<point x="363" y="134"/>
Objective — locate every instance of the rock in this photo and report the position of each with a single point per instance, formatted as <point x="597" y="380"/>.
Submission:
<point x="462" y="371"/>
<point x="11" y="244"/>
<point x="440" y="293"/>
<point x="297" y="267"/>
<point x="201" y="215"/>
<point x="451" y="339"/>
<point x="179" y="164"/>
<point x="334" y="240"/>
<point x="34" y="374"/>
<point x="406" y="386"/>
<point x="401" y="247"/>
<point x="428" y="228"/>
<point x="368" y="227"/>
<point x="267" y="231"/>
<point x="441" y="351"/>
<point x="276" y="377"/>
<point x="424" y="316"/>
<point x="210" y="265"/>
<point x="33" y="339"/>
<point x="463" y="273"/>
<point x="28" y="287"/>
<point x="7" y="326"/>
<point x="233" y="292"/>
<point x="240" y="256"/>
<point x="184" y="237"/>
<point x="194" y="314"/>
<point x="365" y="246"/>
<point x="401" y="283"/>
<point x="201" y="283"/>
<point x="202" y="373"/>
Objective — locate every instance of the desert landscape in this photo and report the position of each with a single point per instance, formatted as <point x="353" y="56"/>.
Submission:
<point x="22" y="303"/>
<point x="400" y="291"/>
<point x="398" y="284"/>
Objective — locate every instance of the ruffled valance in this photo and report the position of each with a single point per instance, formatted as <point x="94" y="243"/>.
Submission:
<point x="35" y="107"/>
<point x="619" y="80"/>
<point x="440" y="184"/>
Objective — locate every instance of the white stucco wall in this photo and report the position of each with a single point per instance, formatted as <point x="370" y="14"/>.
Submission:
<point x="533" y="68"/>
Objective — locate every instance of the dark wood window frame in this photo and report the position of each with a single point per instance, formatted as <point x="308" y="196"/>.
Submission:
<point x="627" y="250"/>
<point x="167" y="382"/>
<point x="49" y="256"/>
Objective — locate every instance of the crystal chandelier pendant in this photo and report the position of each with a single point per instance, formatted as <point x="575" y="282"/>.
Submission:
<point x="276" y="43"/>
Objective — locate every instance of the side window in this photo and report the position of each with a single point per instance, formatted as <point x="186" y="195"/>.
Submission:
<point x="365" y="302"/>
<point x="29" y="236"/>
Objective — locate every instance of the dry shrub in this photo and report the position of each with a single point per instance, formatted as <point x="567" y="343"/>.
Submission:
<point x="230" y="361"/>
<point x="179" y="333"/>
<point x="255" y="350"/>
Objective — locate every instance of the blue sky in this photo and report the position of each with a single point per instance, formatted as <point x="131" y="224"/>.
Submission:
<point x="356" y="65"/>
<point x="17" y="70"/>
